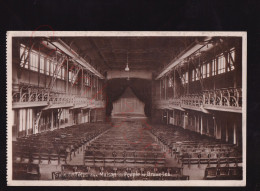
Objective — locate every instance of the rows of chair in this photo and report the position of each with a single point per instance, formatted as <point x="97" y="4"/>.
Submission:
<point x="55" y="145"/>
<point x="134" y="157"/>
<point x="191" y="148"/>
<point x="80" y="172"/>
<point x="125" y="143"/>
<point x="223" y="173"/>
<point x="217" y="158"/>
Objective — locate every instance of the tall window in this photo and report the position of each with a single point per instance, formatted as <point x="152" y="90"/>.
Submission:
<point x="94" y="82"/>
<point x="214" y="67"/>
<point x="34" y="61"/>
<point x="86" y="79"/>
<point x="208" y="70"/>
<point x="23" y="55"/>
<point x="42" y="64"/>
<point x="201" y="71"/>
<point x="63" y="73"/>
<point x="51" y="68"/>
<point x="204" y="71"/>
<point x="185" y="77"/>
<point x="197" y="74"/>
<point x="171" y="81"/>
<point x="72" y="77"/>
<point x="47" y="67"/>
<point x="59" y="72"/>
<point x="231" y="57"/>
<point x="221" y="64"/>
<point x="193" y="73"/>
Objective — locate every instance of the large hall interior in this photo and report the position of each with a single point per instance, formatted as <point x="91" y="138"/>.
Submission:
<point x="127" y="108"/>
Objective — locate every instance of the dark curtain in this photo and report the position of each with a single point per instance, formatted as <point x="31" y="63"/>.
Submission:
<point x="141" y="88"/>
<point x="114" y="90"/>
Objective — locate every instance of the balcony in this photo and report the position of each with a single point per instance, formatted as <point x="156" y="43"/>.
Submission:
<point x="228" y="99"/>
<point x="53" y="100"/>
<point x="193" y="102"/>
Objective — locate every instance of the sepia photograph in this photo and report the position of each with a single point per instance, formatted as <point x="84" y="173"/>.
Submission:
<point x="126" y="108"/>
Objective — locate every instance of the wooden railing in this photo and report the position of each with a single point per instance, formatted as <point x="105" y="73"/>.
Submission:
<point x="229" y="98"/>
<point x="191" y="100"/>
<point x="28" y="96"/>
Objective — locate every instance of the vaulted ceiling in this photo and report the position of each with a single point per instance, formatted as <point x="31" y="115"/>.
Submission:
<point x="144" y="53"/>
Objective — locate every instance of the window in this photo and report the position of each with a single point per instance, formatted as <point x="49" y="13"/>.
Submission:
<point x="34" y="61"/>
<point x="47" y="66"/>
<point x="185" y="78"/>
<point x="221" y="64"/>
<point x="204" y="71"/>
<point x="23" y="55"/>
<point x="40" y="62"/>
<point x="70" y="77"/>
<point x="94" y="82"/>
<point x="59" y="72"/>
<point x="42" y="65"/>
<point x="171" y="82"/>
<point x="214" y="67"/>
<point x="208" y="70"/>
<point x="201" y="71"/>
<point x="231" y="57"/>
<point x="51" y="68"/>
<point x="193" y="73"/>
<point x="63" y="73"/>
<point x="88" y="80"/>
<point x="197" y="74"/>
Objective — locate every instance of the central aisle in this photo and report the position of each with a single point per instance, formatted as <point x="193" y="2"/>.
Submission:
<point x="128" y="135"/>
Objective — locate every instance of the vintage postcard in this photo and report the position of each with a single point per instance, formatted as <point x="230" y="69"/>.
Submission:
<point x="126" y="108"/>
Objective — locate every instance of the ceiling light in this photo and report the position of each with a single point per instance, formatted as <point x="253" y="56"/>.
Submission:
<point x="127" y="68"/>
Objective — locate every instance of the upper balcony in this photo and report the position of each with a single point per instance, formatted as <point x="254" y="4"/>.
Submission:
<point x="226" y="99"/>
<point x="53" y="100"/>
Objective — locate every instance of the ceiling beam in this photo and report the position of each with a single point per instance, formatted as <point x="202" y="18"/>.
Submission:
<point x="75" y="56"/>
<point x="183" y="55"/>
<point x="93" y="44"/>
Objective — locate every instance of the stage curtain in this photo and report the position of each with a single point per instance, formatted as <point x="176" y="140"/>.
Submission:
<point x="114" y="90"/>
<point x="140" y="87"/>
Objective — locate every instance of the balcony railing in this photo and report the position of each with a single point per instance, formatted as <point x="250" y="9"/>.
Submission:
<point x="31" y="98"/>
<point x="192" y="100"/>
<point x="168" y="103"/>
<point x="229" y="99"/>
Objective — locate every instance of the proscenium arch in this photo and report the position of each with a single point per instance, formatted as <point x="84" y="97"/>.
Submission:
<point x="141" y="74"/>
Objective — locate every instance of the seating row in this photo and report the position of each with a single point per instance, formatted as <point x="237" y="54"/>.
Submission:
<point x="223" y="173"/>
<point x="192" y="148"/>
<point x="56" y="145"/>
<point x="138" y="157"/>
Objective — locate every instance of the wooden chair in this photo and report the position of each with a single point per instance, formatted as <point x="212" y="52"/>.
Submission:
<point x="210" y="173"/>
<point x="33" y="172"/>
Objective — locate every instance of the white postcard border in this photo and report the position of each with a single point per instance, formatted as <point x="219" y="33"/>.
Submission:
<point x="199" y="183"/>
